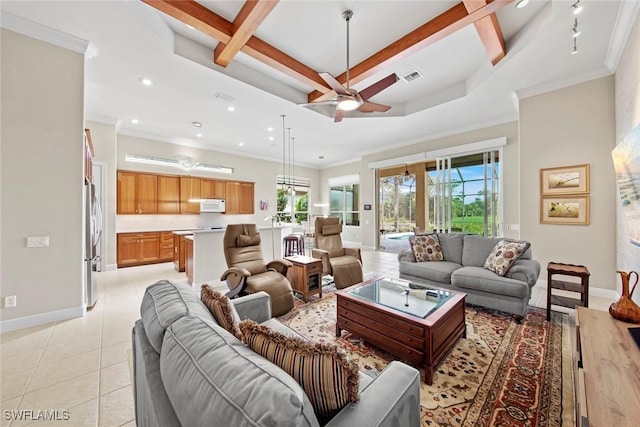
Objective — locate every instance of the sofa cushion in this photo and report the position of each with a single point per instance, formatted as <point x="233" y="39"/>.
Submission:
<point x="476" y="249"/>
<point x="327" y="376"/>
<point x="504" y="254"/>
<point x="434" y="271"/>
<point x="221" y="308"/>
<point x="426" y="247"/>
<point x="481" y="279"/>
<point x="211" y="375"/>
<point x="165" y="302"/>
<point x="451" y="245"/>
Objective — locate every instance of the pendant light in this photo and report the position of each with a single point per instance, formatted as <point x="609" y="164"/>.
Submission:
<point x="289" y="189"/>
<point x="283" y="152"/>
<point x="406" y="170"/>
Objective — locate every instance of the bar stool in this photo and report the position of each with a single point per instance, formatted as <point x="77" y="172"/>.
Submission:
<point x="293" y="244"/>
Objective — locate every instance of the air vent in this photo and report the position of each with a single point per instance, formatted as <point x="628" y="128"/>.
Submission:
<point x="411" y="76"/>
<point x="224" y="97"/>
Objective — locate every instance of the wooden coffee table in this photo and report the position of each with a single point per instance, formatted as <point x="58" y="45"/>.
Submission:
<point x="420" y="333"/>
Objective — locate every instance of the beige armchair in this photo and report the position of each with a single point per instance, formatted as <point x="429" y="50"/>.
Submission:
<point x="248" y="273"/>
<point x="344" y="264"/>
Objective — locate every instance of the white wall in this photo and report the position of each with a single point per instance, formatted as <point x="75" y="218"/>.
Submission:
<point x="42" y="180"/>
<point x="627" y="91"/>
<point x="571" y="126"/>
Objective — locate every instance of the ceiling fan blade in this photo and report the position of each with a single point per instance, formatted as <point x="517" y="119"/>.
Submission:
<point x="338" y="117"/>
<point x="372" y="107"/>
<point x="334" y="84"/>
<point x="379" y="86"/>
<point x="318" y="103"/>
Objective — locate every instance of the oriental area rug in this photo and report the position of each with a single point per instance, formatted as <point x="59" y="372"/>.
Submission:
<point x="502" y="374"/>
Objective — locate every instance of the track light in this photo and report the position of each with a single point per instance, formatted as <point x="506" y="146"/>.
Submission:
<point x="577" y="7"/>
<point x="575" y="47"/>
<point x="575" y="32"/>
<point x="521" y="4"/>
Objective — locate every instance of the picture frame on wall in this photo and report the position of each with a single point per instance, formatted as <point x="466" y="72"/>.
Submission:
<point x="564" y="180"/>
<point x="565" y="210"/>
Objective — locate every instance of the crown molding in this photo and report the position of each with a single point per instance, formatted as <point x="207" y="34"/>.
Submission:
<point x="621" y="30"/>
<point x="40" y="32"/>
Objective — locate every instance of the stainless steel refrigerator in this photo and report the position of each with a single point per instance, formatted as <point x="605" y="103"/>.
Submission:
<point x="93" y="233"/>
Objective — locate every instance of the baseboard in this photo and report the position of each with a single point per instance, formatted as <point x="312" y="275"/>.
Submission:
<point x="42" y="318"/>
<point x="596" y="292"/>
<point x="110" y="267"/>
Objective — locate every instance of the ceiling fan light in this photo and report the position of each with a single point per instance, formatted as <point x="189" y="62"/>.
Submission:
<point x="522" y="3"/>
<point x="348" y="104"/>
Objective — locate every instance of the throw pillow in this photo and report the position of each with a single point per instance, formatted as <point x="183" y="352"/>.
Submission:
<point x="326" y="375"/>
<point x="504" y="254"/>
<point x="222" y="309"/>
<point x="426" y="247"/>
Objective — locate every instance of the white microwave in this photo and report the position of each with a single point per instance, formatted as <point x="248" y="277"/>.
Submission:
<point x="212" y="205"/>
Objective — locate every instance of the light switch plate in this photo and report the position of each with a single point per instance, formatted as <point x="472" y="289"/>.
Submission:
<point x="37" y="241"/>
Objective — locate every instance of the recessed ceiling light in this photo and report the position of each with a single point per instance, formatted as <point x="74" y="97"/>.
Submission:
<point x="269" y="129"/>
<point x="240" y="144"/>
<point x="199" y="135"/>
<point x="271" y="138"/>
<point x="231" y="108"/>
<point x="135" y="121"/>
<point x="522" y="3"/>
<point x="196" y="124"/>
<point x="145" y="81"/>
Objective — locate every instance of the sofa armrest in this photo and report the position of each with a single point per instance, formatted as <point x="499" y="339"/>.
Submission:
<point x="256" y="307"/>
<point x="391" y="400"/>
<point x="355" y="252"/>
<point x="406" y="256"/>
<point x="525" y="270"/>
<point x="324" y="256"/>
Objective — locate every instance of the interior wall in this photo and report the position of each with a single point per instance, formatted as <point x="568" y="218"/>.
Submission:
<point x="368" y="229"/>
<point x="104" y="139"/>
<point x="627" y="117"/>
<point x="262" y="172"/>
<point x="42" y="178"/>
<point x="566" y="127"/>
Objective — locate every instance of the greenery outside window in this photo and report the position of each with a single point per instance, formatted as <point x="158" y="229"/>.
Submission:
<point x="344" y="203"/>
<point x="292" y="199"/>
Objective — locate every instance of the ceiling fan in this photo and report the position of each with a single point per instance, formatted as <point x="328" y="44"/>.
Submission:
<point x="348" y="99"/>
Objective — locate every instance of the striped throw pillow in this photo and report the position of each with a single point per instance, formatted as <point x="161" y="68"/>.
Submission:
<point x="221" y="308"/>
<point x="329" y="379"/>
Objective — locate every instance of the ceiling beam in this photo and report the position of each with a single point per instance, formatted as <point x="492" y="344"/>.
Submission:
<point x="252" y="14"/>
<point x="489" y="30"/>
<point x="438" y="28"/>
<point x="212" y="24"/>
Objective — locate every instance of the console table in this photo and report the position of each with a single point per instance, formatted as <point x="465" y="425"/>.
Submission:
<point x="608" y="362"/>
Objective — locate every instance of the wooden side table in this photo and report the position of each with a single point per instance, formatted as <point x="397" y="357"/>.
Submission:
<point x="305" y="275"/>
<point x="582" y="288"/>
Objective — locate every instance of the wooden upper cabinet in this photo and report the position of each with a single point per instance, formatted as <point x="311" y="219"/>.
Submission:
<point x="212" y="189"/>
<point x="168" y="194"/>
<point x="189" y="190"/>
<point x="239" y="197"/>
<point x="137" y="193"/>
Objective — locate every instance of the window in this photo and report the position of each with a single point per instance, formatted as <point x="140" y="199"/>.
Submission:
<point x="345" y="200"/>
<point x="292" y="200"/>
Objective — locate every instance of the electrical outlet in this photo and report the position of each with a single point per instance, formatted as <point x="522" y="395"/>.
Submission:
<point x="37" y="241"/>
<point x="10" y="301"/>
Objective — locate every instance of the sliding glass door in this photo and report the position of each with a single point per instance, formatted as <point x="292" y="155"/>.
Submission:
<point x="463" y="193"/>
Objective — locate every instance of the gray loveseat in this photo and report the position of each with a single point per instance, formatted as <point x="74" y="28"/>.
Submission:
<point x="189" y="371"/>
<point x="462" y="270"/>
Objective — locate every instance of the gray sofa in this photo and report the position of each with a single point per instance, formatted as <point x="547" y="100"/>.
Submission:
<point x="462" y="270"/>
<point x="189" y="371"/>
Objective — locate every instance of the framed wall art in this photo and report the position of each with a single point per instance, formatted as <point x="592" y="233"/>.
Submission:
<point x="564" y="180"/>
<point x="564" y="210"/>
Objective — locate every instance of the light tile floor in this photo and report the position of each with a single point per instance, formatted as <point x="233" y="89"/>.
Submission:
<point x="82" y="365"/>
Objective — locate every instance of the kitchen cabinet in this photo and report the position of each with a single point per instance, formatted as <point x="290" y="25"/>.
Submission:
<point x="179" y="253"/>
<point x="189" y="190"/>
<point x="166" y="246"/>
<point x="168" y="194"/>
<point x="239" y="197"/>
<point x="138" y="248"/>
<point x="137" y="193"/>
<point x="188" y="244"/>
<point x="212" y="189"/>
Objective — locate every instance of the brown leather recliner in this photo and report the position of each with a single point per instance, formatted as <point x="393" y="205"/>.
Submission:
<point x="248" y="273"/>
<point x="344" y="264"/>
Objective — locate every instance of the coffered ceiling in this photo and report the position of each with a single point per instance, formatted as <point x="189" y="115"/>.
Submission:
<point x="263" y="58"/>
